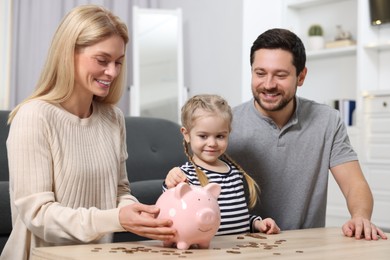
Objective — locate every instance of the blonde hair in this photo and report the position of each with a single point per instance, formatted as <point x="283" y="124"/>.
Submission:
<point x="219" y="106"/>
<point x="83" y="26"/>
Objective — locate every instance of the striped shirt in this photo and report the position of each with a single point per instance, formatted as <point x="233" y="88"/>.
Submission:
<point x="235" y="218"/>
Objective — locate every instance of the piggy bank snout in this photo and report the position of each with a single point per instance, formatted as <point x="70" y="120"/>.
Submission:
<point x="207" y="216"/>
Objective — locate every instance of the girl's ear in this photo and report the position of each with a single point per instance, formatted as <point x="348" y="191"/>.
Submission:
<point x="185" y="134"/>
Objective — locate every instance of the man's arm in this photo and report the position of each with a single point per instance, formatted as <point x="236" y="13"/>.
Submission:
<point x="357" y="193"/>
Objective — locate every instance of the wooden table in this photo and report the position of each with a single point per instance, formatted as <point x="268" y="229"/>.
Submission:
<point x="318" y="243"/>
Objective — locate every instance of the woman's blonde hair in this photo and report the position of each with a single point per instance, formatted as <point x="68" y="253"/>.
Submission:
<point x="83" y="26"/>
<point x="217" y="105"/>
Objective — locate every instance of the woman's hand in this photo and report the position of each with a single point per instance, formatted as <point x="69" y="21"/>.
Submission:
<point x="141" y="219"/>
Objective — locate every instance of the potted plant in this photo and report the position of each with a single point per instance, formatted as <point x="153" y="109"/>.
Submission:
<point x="316" y="37"/>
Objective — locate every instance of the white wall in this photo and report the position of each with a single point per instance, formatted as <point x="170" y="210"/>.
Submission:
<point x="218" y="35"/>
<point x="212" y="35"/>
<point x="258" y="16"/>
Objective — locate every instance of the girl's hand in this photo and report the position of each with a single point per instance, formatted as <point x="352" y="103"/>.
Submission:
<point x="267" y="226"/>
<point x="174" y="177"/>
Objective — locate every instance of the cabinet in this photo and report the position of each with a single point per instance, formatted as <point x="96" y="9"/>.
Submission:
<point x="332" y="72"/>
<point x="376" y="155"/>
<point x="343" y="72"/>
<point x="350" y="73"/>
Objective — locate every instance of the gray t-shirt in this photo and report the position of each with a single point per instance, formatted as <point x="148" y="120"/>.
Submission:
<point x="291" y="164"/>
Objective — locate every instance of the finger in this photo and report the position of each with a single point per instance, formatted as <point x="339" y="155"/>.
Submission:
<point x="150" y="209"/>
<point x="377" y="233"/>
<point x="367" y="229"/>
<point x="358" y="231"/>
<point x="374" y="234"/>
<point x="348" y="229"/>
<point x="155" y="222"/>
<point x="180" y="177"/>
<point x="276" y="229"/>
<point x="156" y="233"/>
<point x="381" y="233"/>
<point x="158" y="237"/>
<point x="159" y="233"/>
<point x="169" y="184"/>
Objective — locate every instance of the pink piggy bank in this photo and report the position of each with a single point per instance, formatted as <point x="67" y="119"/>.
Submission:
<point x="194" y="211"/>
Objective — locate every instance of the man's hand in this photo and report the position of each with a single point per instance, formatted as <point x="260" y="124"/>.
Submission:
<point x="359" y="227"/>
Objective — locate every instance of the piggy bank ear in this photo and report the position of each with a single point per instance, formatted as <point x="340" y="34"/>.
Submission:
<point x="181" y="189"/>
<point x="213" y="188"/>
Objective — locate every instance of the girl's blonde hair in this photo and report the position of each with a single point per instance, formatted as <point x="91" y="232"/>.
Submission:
<point x="218" y="106"/>
<point x="83" y="26"/>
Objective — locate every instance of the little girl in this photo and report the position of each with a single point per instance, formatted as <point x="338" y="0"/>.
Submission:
<point x="206" y="125"/>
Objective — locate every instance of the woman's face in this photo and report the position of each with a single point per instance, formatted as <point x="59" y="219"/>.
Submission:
<point x="96" y="66"/>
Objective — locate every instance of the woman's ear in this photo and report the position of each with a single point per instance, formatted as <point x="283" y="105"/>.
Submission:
<point x="185" y="134"/>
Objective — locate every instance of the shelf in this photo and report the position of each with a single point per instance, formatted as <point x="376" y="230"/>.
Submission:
<point x="379" y="46"/>
<point x="334" y="52"/>
<point x="376" y="93"/>
<point x="300" y="4"/>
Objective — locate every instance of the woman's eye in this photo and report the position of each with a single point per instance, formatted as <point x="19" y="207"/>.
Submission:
<point x="102" y="62"/>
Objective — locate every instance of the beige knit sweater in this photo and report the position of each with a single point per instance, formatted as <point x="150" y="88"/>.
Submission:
<point x="67" y="177"/>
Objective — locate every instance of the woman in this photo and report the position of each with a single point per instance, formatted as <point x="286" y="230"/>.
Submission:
<point x="66" y="146"/>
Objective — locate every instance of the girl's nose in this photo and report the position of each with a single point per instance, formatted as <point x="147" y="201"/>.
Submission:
<point x="212" y="142"/>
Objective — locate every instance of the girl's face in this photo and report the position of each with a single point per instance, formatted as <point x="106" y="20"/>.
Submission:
<point x="96" y="66"/>
<point x="208" y="138"/>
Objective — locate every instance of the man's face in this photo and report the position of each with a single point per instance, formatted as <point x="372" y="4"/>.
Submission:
<point x="274" y="80"/>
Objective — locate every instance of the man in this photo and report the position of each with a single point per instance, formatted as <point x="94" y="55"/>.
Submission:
<point x="288" y="144"/>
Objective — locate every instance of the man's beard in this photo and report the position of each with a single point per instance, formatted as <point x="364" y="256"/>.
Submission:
<point x="280" y="106"/>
